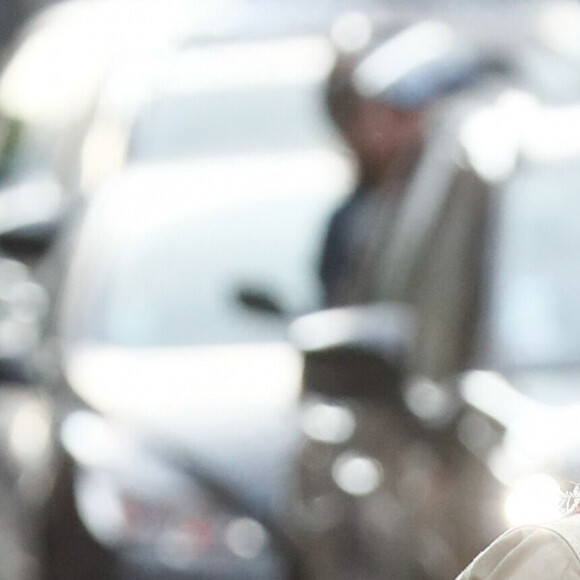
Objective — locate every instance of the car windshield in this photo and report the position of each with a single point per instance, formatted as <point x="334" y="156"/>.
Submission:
<point x="238" y="98"/>
<point x="535" y="314"/>
<point x="239" y="120"/>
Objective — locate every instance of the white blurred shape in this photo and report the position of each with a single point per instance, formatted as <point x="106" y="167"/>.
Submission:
<point x="246" y="538"/>
<point x="533" y="500"/>
<point x="90" y="440"/>
<point x="493" y="395"/>
<point x="491" y="140"/>
<point x="475" y="432"/>
<point x="328" y="423"/>
<point x="30" y="433"/>
<point x="251" y="64"/>
<point x="45" y="73"/>
<point x="102" y="155"/>
<point x="100" y="505"/>
<point x="429" y="401"/>
<point x="224" y="180"/>
<point x="352" y="31"/>
<point x="554" y="135"/>
<point x="356" y="474"/>
<point x="517" y="125"/>
<point x="221" y="388"/>
<point x="558" y="27"/>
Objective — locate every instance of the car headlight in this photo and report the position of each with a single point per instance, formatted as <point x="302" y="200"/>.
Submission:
<point x="132" y="502"/>
<point x="535" y="499"/>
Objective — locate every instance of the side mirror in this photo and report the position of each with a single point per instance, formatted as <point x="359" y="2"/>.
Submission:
<point x="359" y="351"/>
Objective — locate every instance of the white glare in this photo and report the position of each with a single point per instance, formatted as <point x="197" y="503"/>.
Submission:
<point x="244" y="65"/>
<point x="246" y="538"/>
<point x="90" y="440"/>
<point x="558" y="27"/>
<point x="46" y="73"/>
<point x="99" y="505"/>
<point x="493" y="395"/>
<point x="102" y="154"/>
<point x="429" y="401"/>
<point x="534" y="500"/>
<point x="223" y="387"/>
<point x="328" y="423"/>
<point x="491" y="144"/>
<point x="554" y="135"/>
<point x="30" y="433"/>
<point x="357" y="475"/>
<point x="223" y="180"/>
<point x="64" y="59"/>
<point x="352" y="31"/>
<point x="518" y="126"/>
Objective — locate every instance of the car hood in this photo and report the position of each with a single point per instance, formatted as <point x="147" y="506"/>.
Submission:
<point x="230" y="408"/>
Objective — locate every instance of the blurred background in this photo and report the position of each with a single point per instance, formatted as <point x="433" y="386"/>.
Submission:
<point x="287" y="291"/>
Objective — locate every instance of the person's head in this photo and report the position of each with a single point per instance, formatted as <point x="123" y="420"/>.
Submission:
<point x="380" y="97"/>
<point x="375" y="130"/>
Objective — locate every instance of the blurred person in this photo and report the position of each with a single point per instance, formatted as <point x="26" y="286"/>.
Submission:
<point x="382" y="100"/>
<point x="385" y="141"/>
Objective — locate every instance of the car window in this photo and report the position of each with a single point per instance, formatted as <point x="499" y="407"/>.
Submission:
<point x="534" y="308"/>
<point x="238" y="97"/>
<point x="242" y="120"/>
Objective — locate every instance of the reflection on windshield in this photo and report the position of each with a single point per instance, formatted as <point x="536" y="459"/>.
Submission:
<point x="247" y="119"/>
<point x="536" y="305"/>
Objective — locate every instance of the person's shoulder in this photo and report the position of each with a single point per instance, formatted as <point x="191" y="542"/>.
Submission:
<point x="547" y="552"/>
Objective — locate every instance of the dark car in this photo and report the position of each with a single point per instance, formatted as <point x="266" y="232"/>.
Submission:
<point x="443" y="411"/>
